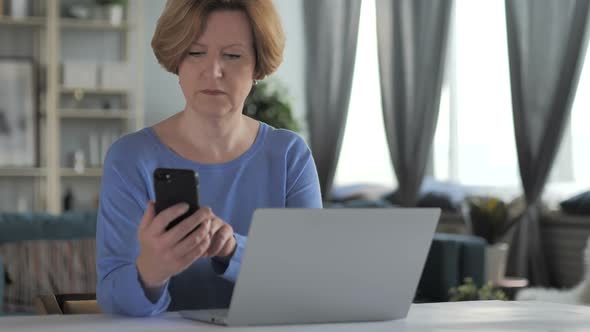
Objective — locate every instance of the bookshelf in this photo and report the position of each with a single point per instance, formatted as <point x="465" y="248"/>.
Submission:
<point x="67" y="115"/>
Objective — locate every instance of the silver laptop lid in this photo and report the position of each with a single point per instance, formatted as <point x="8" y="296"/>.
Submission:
<point x="331" y="265"/>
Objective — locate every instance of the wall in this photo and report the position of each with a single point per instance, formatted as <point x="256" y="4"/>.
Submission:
<point x="162" y="93"/>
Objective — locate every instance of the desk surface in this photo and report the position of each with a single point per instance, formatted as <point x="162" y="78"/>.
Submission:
<point x="459" y="316"/>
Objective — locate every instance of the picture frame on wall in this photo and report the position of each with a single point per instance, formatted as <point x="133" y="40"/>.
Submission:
<point x="18" y="122"/>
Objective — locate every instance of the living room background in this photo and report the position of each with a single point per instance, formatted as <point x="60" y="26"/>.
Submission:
<point x="474" y="143"/>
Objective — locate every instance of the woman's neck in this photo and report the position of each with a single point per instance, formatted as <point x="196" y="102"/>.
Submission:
<point x="208" y="139"/>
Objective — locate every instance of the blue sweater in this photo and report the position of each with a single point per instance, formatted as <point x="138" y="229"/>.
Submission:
<point x="277" y="171"/>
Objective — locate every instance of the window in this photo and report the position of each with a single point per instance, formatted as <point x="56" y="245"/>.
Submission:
<point x="474" y="144"/>
<point x="570" y="172"/>
<point x="364" y="157"/>
<point x="579" y="124"/>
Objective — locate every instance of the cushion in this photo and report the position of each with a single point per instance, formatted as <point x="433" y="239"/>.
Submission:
<point x="357" y="192"/>
<point x="447" y="196"/>
<point x="579" y="204"/>
<point x="359" y="203"/>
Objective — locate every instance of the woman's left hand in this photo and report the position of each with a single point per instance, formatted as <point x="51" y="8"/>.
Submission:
<point x="223" y="242"/>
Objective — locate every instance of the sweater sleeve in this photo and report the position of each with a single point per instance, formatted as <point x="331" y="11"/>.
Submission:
<point x="123" y="199"/>
<point x="303" y="185"/>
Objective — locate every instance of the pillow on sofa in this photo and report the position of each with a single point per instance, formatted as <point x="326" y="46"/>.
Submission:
<point x="433" y="193"/>
<point x="429" y="199"/>
<point x="579" y="204"/>
<point x="367" y="192"/>
<point x="359" y="203"/>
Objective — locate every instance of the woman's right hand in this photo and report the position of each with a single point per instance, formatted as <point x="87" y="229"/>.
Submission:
<point x="164" y="254"/>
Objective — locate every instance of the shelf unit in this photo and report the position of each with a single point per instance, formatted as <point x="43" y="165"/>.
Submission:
<point x="22" y="172"/>
<point x="54" y="116"/>
<point x="91" y="24"/>
<point x="97" y="114"/>
<point x="83" y="91"/>
<point x="23" y="22"/>
<point x="87" y="172"/>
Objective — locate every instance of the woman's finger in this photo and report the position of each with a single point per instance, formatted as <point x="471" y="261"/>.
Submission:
<point x="217" y="243"/>
<point x="182" y="230"/>
<point x="168" y="215"/>
<point x="196" y="253"/>
<point x="229" y="247"/>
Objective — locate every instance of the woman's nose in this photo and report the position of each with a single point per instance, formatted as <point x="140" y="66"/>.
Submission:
<point x="214" y="67"/>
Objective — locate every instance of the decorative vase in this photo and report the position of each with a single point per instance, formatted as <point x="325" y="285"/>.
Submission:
<point x="115" y="14"/>
<point x="19" y="8"/>
<point x="496" y="257"/>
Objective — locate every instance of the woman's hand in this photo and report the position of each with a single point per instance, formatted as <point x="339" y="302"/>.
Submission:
<point x="223" y="242"/>
<point x="164" y="254"/>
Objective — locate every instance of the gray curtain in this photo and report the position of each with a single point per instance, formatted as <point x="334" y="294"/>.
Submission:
<point x="412" y="37"/>
<point x="546" y="44"/>
<point x="331" y="29"/>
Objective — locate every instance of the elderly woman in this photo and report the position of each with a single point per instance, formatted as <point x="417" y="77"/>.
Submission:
<point x="218" y="49"/>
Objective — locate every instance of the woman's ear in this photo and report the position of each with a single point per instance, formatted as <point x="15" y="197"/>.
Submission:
<point x="257" y="76"/>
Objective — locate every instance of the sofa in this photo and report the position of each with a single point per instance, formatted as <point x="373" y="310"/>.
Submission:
<point x="2" y="282"/>
<point x="45" y="254"/>
<point x="451" y="259"/>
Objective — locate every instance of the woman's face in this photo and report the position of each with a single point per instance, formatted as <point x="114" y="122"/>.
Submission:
<point x="217" y="73"/>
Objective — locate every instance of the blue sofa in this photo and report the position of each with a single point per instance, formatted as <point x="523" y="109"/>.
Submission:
<point x="2" y="278"/>
<point x="451" y="259"/>
<point x="43" y="254"/>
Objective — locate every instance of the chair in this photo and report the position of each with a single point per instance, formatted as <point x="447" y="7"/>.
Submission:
<point x="67" y="304"/>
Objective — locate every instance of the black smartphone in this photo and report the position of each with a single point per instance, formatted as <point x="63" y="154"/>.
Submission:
<point x="173" y="186"/>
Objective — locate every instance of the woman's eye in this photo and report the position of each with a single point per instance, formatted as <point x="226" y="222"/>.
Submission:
<point x="232" y="55"/>
<point x="196" y="54"/>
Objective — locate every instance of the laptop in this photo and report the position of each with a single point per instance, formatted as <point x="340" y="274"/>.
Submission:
<point x="304" y="266"/>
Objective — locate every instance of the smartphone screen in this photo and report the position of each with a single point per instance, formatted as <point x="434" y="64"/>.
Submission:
<point x="173" y="186"/>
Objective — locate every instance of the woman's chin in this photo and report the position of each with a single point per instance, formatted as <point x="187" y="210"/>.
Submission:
<point x="214" y="109"/>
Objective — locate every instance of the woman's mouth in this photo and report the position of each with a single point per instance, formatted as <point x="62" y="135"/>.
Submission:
<point x="212" y="92"/>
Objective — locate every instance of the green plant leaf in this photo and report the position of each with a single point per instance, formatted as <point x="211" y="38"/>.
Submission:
<point x="268" y="102"/>
<point x="468" y="291"/>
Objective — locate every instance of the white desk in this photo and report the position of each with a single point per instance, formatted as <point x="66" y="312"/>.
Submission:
<point x="460" y="316"/>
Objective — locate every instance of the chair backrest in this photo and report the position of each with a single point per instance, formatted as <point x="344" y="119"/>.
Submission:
<point x="67" y="304"/>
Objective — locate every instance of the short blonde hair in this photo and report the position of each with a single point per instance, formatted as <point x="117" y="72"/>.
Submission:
<point x="184" y="20"/>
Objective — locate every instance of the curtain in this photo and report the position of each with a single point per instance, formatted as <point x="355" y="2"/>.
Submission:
<point x="546" y="45"/>
<point x="331" y="29"/>
<point x="412" y="38"/>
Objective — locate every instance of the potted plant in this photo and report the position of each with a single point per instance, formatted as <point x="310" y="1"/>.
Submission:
<point x="113" y="10"/>
<point x="268" y="102"/>
<point x="491" y="219"/>
<point x="468" y="291"/>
